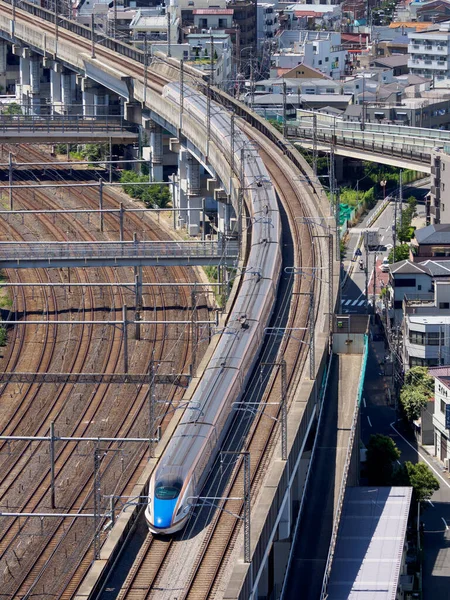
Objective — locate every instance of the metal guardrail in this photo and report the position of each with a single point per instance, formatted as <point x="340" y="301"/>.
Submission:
<point x="401" y="147"/>
<point x="30" y="251"/>
<point x="340" y="503"/>
<point x="436" y="135"/>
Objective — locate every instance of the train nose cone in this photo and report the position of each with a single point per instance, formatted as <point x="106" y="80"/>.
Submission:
<point x="163" y="512"/>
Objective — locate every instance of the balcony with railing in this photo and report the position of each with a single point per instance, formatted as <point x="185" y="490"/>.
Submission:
<point x="427" y="63"/>
<point x="433" y="49"/>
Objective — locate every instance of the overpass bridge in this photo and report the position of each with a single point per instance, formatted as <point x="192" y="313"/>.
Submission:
<point x="65" y="129"/>
<point x="52" y="255"/>
<point x="122" y="69"/>
<point x="395" y="145"/>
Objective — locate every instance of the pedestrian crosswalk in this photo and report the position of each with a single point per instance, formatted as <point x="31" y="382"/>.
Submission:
<point x="353" y="302"/>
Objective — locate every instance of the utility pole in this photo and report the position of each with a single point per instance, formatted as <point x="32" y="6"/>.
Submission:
<point x="145" y="68"/>
<point x="181" y="93"/>
<point x="367" y="270"/>
<point x="10" y="177"/>
<point x="335" y="200"/>
<point x="92" y="36"/>
<point x="284" y="108"/>
<point x="314" y="148"/>
<point x="169" y="46"/>
<point x="400" y="198"/>
<point x="394" y="232"/>
<point x="211" y="58"/>
<point x="374" y="280"/>
<point x="208" y="116"/>
<point x="252" y="82"/>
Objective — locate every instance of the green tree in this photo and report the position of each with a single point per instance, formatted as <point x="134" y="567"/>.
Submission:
<point x="382" y="452"/>
<point x="13" y="109"/>
<point x="416" y="391"/>
<point x="3" y="336"/>
<point x="94" y="152"/>
<point x="420" y="477"/>
<point x="401" y="253"/>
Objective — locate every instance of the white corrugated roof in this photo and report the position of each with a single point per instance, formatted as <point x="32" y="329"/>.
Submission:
<point x="369" y="549"/>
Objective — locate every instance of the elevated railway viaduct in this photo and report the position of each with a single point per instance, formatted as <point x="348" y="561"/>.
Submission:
<point x="277" y="483"/>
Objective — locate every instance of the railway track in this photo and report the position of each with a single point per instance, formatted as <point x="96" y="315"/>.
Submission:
<point x="206" y="574"/>
<point x="41" y="571"/>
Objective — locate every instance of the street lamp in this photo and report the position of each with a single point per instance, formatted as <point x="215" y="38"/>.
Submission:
<point x="383" y="183"/>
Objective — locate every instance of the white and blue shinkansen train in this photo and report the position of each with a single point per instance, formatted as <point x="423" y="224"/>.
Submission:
<point x="184" y="466"/>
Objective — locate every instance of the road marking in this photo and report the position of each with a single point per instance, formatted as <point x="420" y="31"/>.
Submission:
<point x="421" y="455"/>
<point x="361" y="303"/>
<point x="382" y="239"/>
<point x="445" y="523"/>
<point x="429" y="501"/>
<point x="370" y="422"/>
<point x="347" y="302"/>
<point x="399" y="463"/>
<point x="364" y="402"/>
<point x="354" y="302"/>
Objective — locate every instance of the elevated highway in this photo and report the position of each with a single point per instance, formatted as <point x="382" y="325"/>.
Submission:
<point x="277" y="482"/>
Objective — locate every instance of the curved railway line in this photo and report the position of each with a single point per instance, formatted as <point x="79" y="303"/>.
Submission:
<point x="152" y="563"/>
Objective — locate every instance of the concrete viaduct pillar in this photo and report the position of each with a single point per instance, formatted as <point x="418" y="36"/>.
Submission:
<point x="35" y="84"/>
<point x="55" y="87"/>
<point x="194" y="198"/>
<point x="157" y="151"/>
<point x="67" y="90"/>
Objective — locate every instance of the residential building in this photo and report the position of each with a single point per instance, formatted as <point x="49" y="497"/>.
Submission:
<point x="431" y="242"/>
<point x="430" y="52"/>
<point x="389" y="105"/>
<point x="426" y="327"/>
<point x="439" y="205"/>
<point x="321" y="50"/>
<point x="266" y="22"/>
<point x="197" y="51"/>
<point x="206" y="19"/>
<point x="441" y="416"/>
<point x="298" y="86"/>
<point x="408" y="279"/>
<point x="397" y="63"/>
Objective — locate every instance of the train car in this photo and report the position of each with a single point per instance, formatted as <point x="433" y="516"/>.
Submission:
<point x="189" y="456"/>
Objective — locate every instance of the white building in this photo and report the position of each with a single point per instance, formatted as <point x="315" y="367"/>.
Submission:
<point x="441" y="408"/>
<point x="266" y="22"/>
<point x="321" y="50"/>
<point x="426" y="328"/>
<point x="429" y="52"/>
<point x="197" y="52"/>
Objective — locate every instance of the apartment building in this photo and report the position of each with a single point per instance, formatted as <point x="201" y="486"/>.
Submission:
<point x="439" y="205"/>
<point x="429" y="52"/>
<point x="321" y="50"/>
<point x="441" y="415"/>
<point x="426" y="327"/>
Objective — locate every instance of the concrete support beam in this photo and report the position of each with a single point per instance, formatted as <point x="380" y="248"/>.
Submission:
<point x="193" y="175"/>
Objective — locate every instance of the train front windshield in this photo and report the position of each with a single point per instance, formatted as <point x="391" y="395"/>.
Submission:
<point x="168" y="491"/>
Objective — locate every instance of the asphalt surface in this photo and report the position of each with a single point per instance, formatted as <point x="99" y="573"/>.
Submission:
<point x="354" y="291"/>
<point x="379" y="417"/>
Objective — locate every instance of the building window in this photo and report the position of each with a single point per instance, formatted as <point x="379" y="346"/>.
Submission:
<point x="407" y="282"/>
<point x="444" y="305"/>
<point x="434" y="339"/>
<point x="443" y="407"/>
<point x="417" y="337"/>
<point x="326" y="58"/>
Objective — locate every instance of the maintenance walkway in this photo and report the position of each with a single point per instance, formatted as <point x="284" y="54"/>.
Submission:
<point x="34" y="255"/>
<point x="331" y="469"/>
